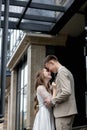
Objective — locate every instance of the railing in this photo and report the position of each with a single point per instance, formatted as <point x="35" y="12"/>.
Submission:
<point x="13" y="47"/>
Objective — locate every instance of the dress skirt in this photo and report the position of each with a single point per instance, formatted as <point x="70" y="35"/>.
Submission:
<point x="44" y="119"/>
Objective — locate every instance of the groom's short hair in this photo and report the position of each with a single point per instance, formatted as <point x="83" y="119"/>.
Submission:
<point x="50" y="57"/>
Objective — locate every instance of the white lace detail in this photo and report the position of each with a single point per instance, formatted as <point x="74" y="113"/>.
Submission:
<point x="41" y="90"/>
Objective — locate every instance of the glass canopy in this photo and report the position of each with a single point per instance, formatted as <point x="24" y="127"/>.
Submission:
<point x="35" y="15"/>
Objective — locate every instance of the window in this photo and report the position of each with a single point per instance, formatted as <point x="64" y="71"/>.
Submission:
<point x="21" y="104"/>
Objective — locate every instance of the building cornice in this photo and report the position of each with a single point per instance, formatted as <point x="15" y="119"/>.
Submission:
<point x="34" y="39"/>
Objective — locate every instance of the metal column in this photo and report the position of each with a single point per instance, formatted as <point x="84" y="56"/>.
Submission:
<point x="4" y="57"/>
<point x="86" y="57"/>
<point x="86" y="29"/>
<point x="0" y="11"/>
<point x="0" y="57"/>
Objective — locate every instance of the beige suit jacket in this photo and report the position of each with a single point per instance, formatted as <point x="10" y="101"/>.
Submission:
<point x="65" y="103"/>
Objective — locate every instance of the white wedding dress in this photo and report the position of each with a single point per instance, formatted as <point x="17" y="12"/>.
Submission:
<point x="44" y="119"/>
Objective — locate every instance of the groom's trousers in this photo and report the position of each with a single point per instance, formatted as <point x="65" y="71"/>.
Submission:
<point x="64" y="123"/>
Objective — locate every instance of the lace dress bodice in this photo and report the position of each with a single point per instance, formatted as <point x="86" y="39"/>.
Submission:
<point x="42" y="94"/>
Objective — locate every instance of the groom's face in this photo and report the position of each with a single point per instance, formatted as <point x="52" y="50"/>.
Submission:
<point x="51" y="66"/>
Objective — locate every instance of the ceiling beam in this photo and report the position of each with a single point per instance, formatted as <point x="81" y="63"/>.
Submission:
<point x="31" y="17"/>
<point x="38" y="6"/>
<point x="66" y="17"/>
<point x="48" y="7"/>
<point x="28" y="26"/>
<point x="23" y="13"/>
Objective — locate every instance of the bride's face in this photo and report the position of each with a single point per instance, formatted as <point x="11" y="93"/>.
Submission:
<point x="47" y="74"/>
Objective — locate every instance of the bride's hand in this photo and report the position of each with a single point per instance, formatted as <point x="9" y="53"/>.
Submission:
<point x="54" y="85"/>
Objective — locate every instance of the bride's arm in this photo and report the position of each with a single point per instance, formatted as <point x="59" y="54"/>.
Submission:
<point x="41" y="90"/>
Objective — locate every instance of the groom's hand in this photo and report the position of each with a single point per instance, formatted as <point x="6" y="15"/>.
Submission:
<point x="47" y="102"/>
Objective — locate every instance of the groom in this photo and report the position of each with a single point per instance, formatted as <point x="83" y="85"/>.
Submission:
<point x="64" y="103"/>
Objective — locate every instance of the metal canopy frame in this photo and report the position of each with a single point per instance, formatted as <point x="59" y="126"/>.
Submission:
<point x="36" y="22"/>
<point x="3" y="60"/>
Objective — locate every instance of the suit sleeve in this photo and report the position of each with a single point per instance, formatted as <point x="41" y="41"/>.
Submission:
<point x="63" y="82"/>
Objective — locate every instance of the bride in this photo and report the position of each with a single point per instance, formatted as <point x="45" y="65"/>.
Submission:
<point x="44" y="119"/>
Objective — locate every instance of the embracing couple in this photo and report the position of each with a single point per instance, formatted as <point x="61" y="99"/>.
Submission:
<point x="55" y="101"/>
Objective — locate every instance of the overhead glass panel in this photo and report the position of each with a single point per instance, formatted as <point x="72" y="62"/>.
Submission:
<point x="63" y="3"/>
<point x="43" y="12"/>
<point x="40" y="12"/>
<point x="36" y="21"/>
<point x="2" y="18"/>
<point x="22" y="0"/>
<point x="45" y="1"/>
<point x="16" y="9"/>
<point x="13" y="19"/>
<point x="2" y="9"/>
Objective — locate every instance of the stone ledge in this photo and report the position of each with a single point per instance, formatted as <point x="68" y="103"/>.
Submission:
<point x="44" y="39"/>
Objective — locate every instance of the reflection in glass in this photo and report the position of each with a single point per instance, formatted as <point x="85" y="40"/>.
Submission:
<point x="21" y="114"/>
<point x="21" y="109"/>
<point x="26" y="77"/>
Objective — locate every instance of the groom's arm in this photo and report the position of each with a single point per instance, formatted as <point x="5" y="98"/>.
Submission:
<point x="54" y="93"/>
<point x="63" y="82"/>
